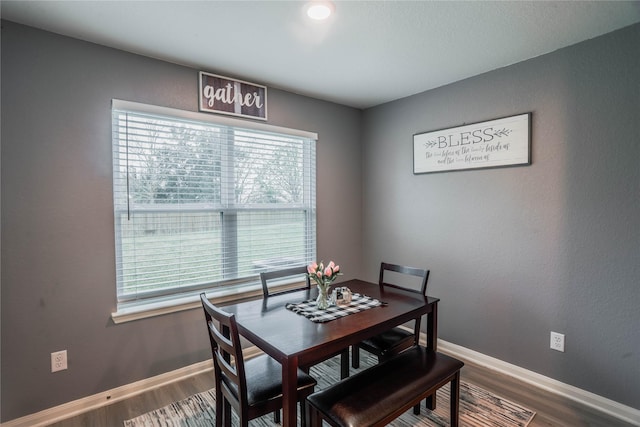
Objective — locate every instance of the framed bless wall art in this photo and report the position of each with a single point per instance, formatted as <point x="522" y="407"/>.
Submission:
<point x="495" y="143"/>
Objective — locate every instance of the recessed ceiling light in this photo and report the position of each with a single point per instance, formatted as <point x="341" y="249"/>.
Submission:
<point x="320" y="10"/>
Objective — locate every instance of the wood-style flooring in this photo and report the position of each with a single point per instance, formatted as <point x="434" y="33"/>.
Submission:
<point x="551" y="410"/>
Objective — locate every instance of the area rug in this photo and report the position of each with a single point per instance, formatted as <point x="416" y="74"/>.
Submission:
<point x="478" y="407"/>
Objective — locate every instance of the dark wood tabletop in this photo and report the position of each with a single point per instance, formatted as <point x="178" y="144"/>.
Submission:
<point x="294" y="340"/>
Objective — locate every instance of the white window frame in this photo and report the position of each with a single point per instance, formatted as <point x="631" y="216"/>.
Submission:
<point x="247" y="287"/>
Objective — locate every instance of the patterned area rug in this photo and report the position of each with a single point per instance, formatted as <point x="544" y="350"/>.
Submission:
<point x="478" y="407"/>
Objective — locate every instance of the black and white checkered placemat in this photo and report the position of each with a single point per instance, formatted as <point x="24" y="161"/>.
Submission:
<point x="309" y="310"/>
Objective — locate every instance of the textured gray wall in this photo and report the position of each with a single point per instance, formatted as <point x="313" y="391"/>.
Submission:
<point x="58" y="268"/>
<point x="514" y="252"/>
<point x="518" y="252"/>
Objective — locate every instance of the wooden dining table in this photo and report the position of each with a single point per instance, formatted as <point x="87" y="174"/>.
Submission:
<point x="293" y="340"/>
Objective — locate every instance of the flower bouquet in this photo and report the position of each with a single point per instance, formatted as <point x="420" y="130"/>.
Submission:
<point x="323" y="277"/>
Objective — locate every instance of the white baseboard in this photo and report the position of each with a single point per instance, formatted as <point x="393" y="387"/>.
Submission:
<point x="599" y="403"/>
<point x="89" y="403"/>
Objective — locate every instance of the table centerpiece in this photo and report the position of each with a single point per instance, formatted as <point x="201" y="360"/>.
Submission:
<point x="323" y="276"/>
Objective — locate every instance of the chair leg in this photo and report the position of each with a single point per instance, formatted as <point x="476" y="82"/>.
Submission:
<point x="455" y="400"/>
<point x="219" y="407"/>
<point x="344" y="364"/>
<point x="226" y="413"/>
<point x="276" y="416"/>
<point x="355" y="356"/>
<point x="303" y="413"/>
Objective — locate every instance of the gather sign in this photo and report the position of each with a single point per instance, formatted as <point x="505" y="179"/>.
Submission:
<point x="219" y="94"/>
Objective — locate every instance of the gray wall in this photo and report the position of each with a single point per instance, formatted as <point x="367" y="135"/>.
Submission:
<point x="58" y="268"/>
<point x="518" y="252"/>
<point x="514" y="252"/>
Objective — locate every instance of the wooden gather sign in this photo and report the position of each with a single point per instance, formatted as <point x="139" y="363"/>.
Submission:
<point x="219" y="94"/>
<point x="495" y="143"/>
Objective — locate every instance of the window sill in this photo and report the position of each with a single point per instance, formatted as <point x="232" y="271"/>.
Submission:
<point x="139" y="311"/>
<point x="220" y="296"/>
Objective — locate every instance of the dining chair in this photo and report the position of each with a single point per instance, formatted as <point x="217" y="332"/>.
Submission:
<point x="394" y="340"/>
<point x="267" y="277"/>
<point x="287" y="273"/>
<point x="252" y="387"/>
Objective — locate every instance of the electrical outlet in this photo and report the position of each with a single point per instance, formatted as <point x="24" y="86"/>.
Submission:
<point x="59" y="361"/>
<point x="557" y="341"/>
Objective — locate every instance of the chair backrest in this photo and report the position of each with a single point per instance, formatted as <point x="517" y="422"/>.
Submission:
<point x="265" y="277"/>
<point x="226" y="350"/>
<point x="421" y="274"/>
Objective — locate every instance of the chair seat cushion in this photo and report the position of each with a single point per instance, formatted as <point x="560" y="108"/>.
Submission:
<point x="388" y="340"/>
<point x="264" y="379"/>
<point x="372" y="395"/>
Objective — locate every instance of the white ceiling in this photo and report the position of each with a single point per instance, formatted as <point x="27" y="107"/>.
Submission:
<point x="367" y="53"/>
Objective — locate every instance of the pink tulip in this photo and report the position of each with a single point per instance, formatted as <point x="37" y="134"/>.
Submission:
<point x="312" y="267"/>
<point x="322" y="274"/>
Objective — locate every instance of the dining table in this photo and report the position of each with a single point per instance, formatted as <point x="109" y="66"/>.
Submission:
<point x="294" y="340"/>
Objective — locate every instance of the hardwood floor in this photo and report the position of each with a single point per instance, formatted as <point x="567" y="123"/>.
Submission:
<point x="551" y="410"/>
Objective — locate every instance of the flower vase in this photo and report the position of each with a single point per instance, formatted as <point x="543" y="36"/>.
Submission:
<point x="323" y="302"/>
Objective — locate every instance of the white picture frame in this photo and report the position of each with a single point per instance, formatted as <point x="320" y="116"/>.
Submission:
<point x="490" y="144"/>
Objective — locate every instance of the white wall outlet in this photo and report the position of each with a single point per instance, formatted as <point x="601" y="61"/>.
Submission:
<point x="557" y="341"/>
<point x="59" y="361"/>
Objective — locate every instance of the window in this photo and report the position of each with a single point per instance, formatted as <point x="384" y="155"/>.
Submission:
<point x="204" y="202"/>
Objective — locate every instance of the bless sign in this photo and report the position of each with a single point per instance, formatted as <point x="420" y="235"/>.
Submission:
<point x="223" y="95"/>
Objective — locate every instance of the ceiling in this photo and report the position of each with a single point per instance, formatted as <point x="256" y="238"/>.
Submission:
<point x="367" y="53"/>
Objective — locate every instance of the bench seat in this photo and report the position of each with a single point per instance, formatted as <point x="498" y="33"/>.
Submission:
<point x="378" y="395"/>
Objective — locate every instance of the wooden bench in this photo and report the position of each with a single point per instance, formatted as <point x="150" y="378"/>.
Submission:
<point x="380" y="394"/>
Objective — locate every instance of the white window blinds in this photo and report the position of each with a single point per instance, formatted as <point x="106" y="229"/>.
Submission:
<point x="202" y="201"/>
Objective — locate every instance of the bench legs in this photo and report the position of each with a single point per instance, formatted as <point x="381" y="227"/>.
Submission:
<point x="314" y="418"/>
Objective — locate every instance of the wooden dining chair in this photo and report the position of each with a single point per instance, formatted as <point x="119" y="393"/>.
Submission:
<point x="395" y="340"/>
<point x="290" y="273"/>
<point x="268" y="277"/>
<point x="253" y="387"/>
